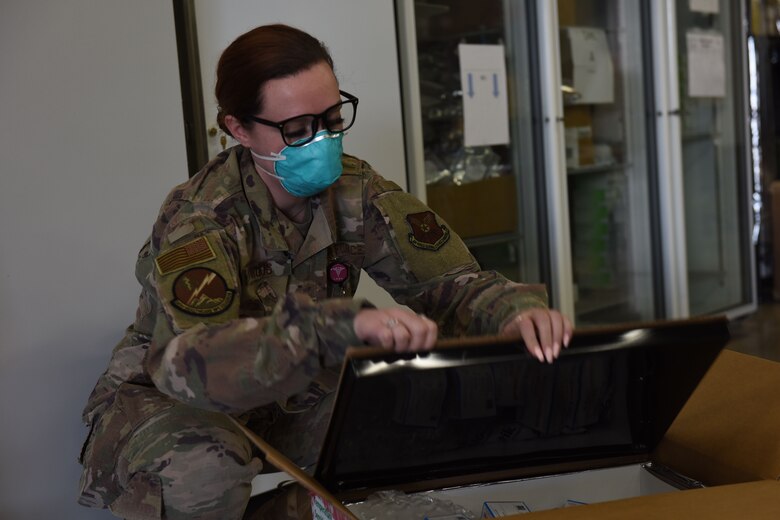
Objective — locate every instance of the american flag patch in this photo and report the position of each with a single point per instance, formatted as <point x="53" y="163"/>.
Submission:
<point x="185" y="255"/>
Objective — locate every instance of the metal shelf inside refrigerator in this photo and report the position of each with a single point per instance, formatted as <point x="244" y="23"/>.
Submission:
<point x="598" y="168"/>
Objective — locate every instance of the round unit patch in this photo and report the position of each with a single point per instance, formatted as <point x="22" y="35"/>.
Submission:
<point x="338" y="272"/>
<point x="202" y="292"/>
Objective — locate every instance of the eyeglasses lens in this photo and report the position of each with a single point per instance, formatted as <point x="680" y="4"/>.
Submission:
<point x="300" y="130"/>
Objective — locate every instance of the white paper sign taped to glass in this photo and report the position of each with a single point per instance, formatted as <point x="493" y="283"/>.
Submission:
<point x="706" y="65"/>
<point x="483" y="82"/>
<point x="586" y="66"/>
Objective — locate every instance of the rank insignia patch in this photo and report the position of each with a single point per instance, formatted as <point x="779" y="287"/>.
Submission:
<point x="426" y="232"/>
<point x="267" y="296"/>
<point x="201" y="292"/>
<point x="185" y="255"/>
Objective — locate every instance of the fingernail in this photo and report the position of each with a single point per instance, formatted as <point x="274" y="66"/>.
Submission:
<point x="566" y="339"/>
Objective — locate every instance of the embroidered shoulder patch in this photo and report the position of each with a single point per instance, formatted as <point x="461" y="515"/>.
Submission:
<point x="426" y="232"/>
<point x="185" y="255"/>
<point x="202" y="292"/>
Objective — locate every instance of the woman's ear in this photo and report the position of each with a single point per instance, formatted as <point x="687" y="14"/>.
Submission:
<point x="237" y="130"/>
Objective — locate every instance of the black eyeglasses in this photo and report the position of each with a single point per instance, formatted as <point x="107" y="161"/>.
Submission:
<point x="300" y="130"/>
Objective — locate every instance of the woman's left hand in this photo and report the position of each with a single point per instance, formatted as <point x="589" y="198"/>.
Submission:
<point x="396" y="329"/>
<point x="544" y="331"/>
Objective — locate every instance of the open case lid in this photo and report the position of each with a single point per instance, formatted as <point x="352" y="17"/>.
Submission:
<point x="484" y="406"/>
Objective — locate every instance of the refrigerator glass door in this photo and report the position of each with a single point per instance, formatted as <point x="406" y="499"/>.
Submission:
<point x="608" y="160"/>
<point x="713" y="112"/>
<point x="474" y="91"/>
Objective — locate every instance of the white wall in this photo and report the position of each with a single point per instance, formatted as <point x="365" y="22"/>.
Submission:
<point x="91" y="140"/>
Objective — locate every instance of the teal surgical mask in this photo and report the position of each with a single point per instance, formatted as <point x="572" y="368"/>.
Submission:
<point x="309" y="169"/>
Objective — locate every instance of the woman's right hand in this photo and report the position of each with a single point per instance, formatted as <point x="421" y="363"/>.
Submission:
<point x="396" y="329"/>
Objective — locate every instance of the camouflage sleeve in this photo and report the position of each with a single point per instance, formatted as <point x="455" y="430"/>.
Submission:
<point x="425" y="265"/>
<point x="205" y="354"/>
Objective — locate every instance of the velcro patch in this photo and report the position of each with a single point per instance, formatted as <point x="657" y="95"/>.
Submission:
<point x="430" y="249"/>
<point x="202" y="292"/>
<point x="426" y="232"/>
<point x="185" y="255"/>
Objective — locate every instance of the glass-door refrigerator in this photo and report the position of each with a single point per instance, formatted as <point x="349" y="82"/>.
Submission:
<point x="471" y="125"/>
<point x="709" y="54"/>
<point x="600" y="149"/>
<point x="622" y="190"/>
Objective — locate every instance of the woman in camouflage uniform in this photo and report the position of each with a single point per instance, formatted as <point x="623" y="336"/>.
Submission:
<point x="246" y="305"/>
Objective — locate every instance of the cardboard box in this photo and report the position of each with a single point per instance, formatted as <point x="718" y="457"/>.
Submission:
<point x="480" y="208"/>
<point x="578" y="128"/>
<point x="601" y="426"/>
<point x="567" y="12"/>
<point x="754" y="501"/>
<point x="497" y="509"/>
<point x="586" y="66"/>
<point x="729" y="430"/>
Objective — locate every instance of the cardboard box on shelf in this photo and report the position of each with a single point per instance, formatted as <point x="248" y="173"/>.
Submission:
<point x="480" y="208"/>
<point x="578" y="124"/>
<point x="627" y="411"/>
<point x="586" y="66"/>
<point x="567" y="13"/>
<point x="578" y="116"/>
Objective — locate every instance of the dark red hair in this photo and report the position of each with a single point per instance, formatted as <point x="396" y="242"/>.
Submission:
<point x="260" y="55"/>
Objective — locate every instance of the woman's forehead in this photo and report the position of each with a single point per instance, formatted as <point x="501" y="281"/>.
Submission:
<point x="308" y="92"/>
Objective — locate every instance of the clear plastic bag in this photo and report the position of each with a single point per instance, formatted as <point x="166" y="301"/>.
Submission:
<point x="392" y="505"/>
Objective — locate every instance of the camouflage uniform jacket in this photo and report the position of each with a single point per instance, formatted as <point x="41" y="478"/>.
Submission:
<point x="240" y="311"/>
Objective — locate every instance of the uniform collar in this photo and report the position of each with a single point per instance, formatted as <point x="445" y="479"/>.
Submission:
<point x="277" y="233"/>
<point x="321" y="231"/>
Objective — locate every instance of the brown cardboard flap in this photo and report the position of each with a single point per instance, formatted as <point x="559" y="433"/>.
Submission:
<point x="283" y="463"/>
<point x="729" y="430"/>
<point x="755" y="500"/>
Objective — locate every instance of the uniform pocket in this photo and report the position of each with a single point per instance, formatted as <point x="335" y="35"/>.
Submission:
<point x="133" y="405"/>
<point x="141" y="500"/>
